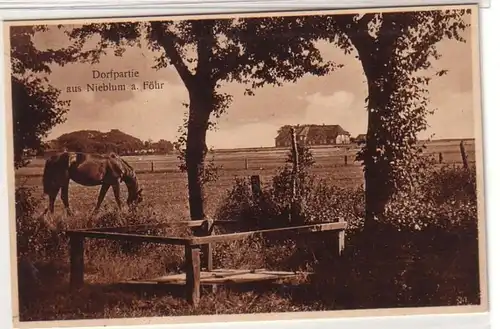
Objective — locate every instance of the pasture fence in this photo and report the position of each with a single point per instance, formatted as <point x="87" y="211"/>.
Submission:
<point x="267" y="160"/>
<point x="256" y="163"/>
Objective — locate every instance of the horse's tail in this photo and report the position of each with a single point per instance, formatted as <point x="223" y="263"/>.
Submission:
<point x="47" y="176"/>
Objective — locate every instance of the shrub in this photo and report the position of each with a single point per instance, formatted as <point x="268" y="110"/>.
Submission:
<point x="319" y="202"/>
<point x="423" y="253"/>
<point x="445" y="199"/>
<point x="38" y="243"/>
<point x="36" y="238"/>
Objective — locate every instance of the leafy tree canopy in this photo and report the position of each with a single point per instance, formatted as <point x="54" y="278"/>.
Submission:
<point x="396" y="51"/>
<point x="208" y="52"/>
<point x="36" y="104"/>
<point x="94" y="141"/>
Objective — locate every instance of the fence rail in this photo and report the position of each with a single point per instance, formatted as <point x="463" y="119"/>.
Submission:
<point x="255" y="163"/>
<point x="252" y="162"/>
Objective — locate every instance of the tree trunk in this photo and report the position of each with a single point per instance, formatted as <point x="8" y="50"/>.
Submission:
<point x="377" y="173"/>
<point x="200" y="108"/>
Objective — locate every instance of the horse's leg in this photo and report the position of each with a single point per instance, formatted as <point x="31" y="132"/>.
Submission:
<point x="100" y="199"/>
<point x="65" y="199"/>
<point x="50" y="209"/>
<point x="116" y="192"/>
<point x="52" y="200"/>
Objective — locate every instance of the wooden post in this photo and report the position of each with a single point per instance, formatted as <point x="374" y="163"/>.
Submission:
<point x="207" y="229"/>
<point x="345" y="160"/>
<point x="152" y="166"/>
<point x="295" y="153"/>
<point x="207" y="251"/>
<point x="341" y="239"/>
<point x="256" y="187"/>
<point x="465" y="161"/>
<point x="193" y="274"/>
<point x="76" y="243"/>
<point x="246" y="163"/>
<point x="295" y="169"/>
<point x="440" y="157"/>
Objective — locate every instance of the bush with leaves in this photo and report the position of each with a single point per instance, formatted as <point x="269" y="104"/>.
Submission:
<point x="36" y="238"/>
<point x="319" y="202"/>
<point x="425" y="252"/>
<point x="445" y="198"/>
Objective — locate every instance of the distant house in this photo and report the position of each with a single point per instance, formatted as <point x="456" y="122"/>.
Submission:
<point x="313" y="135"/>
<point x="361" y="138"/>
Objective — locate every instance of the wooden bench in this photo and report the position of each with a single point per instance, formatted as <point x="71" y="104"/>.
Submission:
<point x="193" y="246"/>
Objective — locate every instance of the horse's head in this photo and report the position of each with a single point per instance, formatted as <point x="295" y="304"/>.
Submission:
<point x="134" y="191"/>
<point x="135" y="198"/>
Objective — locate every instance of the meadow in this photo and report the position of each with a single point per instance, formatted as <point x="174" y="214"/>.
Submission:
<point x="165" y="200"/>
<point x="165" y="187"/>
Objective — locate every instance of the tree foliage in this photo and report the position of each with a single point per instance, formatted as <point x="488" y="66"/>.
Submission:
<point x="94" y="141"/>
<point x="252" y="51"/>
<point x="36" y="104"/>
<point x="206" y="53"/>
<point x="396" y="51"/>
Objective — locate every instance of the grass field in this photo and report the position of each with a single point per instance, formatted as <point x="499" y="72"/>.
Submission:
<point x="165" y="200"/>
<point x="165" y="189"/>
<point x="269" y="158"/>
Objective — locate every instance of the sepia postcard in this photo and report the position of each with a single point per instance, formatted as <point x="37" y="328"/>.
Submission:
<point x="243" y="167"/>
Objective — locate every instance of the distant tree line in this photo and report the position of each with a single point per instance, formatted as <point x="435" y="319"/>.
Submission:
<point x="93" y="141"/>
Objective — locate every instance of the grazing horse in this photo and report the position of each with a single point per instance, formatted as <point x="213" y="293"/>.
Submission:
<point x="89" y="170"/>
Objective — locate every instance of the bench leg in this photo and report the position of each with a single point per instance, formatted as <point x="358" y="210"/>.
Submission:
<point x="208" y="263"/>
<point x="76" y="261"/>
<point x="341" y="241"/>
<point x="193" y="274"/>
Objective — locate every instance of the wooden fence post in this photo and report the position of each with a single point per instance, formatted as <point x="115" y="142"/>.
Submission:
<point x="295" y="156"/>
<point x="246" y="163"/>
<point x="345" y="160"/>
<point x="440" y="157"/>
<point x="193" y="276"/>
<point x="152" y="166"/>
<point x="465" y="161"/>
<point x="77" y="269"/>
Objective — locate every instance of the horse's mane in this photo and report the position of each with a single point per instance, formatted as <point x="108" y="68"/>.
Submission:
<point x="130" y="172"/>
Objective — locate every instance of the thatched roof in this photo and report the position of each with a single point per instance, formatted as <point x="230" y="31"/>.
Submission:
<point x="313" y="132"/>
